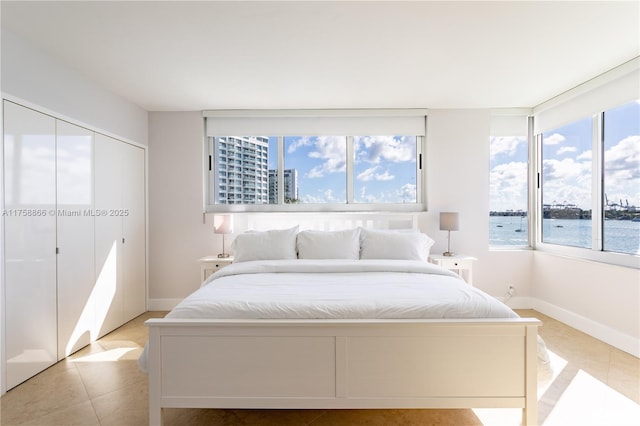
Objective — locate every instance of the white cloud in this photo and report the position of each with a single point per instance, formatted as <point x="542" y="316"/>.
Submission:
<point x="565" y="169"/>
<point x="508" y="186"/>
<point x="624" y="156"/>
<point x="554" y="139"/>
<point x="385" y="176"/>
<point x="325" y="196"/>
<point x="622" y="171"/>
<point x="567" y="181"/>
<point x="566" y="149"/>
<point x="506" y="145"/>
<point x="303" y="141"/>
<point x="372" y="174"/>
<point x="585" y="156"/>
<point x="407" y="193"/>
<point x="332" y="151"/>
<point x="374" y="149"/>
<point x="367" y="198"/>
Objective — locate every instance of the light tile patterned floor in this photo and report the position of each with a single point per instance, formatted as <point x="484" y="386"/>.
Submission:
<point x="593" y="384"/>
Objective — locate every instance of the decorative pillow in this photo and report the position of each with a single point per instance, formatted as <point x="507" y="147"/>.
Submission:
<point x="378" y="244"/>
<point x="329" y="244"/>
<point x="265" y="245"/>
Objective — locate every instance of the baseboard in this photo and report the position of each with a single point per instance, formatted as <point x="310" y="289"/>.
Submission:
<point x="162" y="304"/>
<point x="609" y="335"/>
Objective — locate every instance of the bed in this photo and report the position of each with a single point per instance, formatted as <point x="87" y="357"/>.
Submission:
<point x="345" y="319"/>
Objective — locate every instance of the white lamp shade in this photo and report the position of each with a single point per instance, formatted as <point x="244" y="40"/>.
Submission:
<point x="223" y="224"/>
<point x="449" y="221"/>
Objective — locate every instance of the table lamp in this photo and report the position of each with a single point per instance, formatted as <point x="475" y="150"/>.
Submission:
<point x="223" y="224"/>
<point x="449" y="222"/>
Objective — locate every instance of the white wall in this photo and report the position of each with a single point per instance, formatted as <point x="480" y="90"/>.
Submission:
<point x="458" y="180"/>
<point x="600" y="299"/>
<point x="31" y="76"/>
<point x="177" y="234"/>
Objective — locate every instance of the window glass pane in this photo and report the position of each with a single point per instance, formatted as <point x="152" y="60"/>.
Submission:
<point x="566" y="184"/>
<point x="621" y="231"/>
<point x="508" y="191"/>
<point x="241" y="169"/>
<point x="385" y="169"/>
<point x="272" y="159"/>
<point x="319" y="163"/>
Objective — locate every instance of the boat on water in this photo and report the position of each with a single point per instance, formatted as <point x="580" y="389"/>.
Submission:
<point x="520" y="228"/>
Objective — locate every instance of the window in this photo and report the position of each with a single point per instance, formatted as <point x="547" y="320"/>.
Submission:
<point x="621" y="166"/>
<point x="385" y="169"/>
<point x="508" y="179"/>
<point x="590" y="182"/>
<point x="508" y="191"/>
<point x="566" y="184"/>
<point x="314" y="160"/>
<point x="241" y="173"/>
<point x="320" y="165"/>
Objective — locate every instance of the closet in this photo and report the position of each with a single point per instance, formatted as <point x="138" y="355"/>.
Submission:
<point x="119" y="233"/>
<point x="75" y="238"/>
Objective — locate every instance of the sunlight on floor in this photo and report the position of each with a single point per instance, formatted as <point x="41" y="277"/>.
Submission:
<point x="499" y="416"/>
<point x="588" y="401"/>
<point x="112" y="355"/>
<point x="583" y="401"/>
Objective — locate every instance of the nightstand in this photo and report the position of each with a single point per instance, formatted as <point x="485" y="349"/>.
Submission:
<point x="460" y="264"/>
<point x="210" y="264"/>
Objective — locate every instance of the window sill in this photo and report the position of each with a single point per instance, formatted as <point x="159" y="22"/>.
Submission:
<point x="578" y="253"/>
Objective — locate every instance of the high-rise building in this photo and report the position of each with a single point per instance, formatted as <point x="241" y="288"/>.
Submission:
<point x="242" y="170"/>
<point x="290" y="186"/>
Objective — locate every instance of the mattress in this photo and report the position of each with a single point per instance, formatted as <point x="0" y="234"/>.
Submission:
<point x="337" y="289"/>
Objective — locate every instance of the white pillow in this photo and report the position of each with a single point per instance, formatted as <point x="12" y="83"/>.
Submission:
<point x="329" y="244"/>
<point x="378" y="244"/>
<point x="265" y="245"/>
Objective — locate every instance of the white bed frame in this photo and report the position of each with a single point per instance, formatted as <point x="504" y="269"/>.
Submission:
<point x="322" y="364"/>
<point x="488" y="363"/>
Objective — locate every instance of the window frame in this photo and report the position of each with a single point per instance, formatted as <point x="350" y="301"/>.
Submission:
<point x="209" y="166"/>
<point x="596" y="252"/>
<point x="523" y="114"/>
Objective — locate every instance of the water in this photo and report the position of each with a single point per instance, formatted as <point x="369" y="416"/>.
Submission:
<point x="503" y="231"/>
<point x="622" y="236"/>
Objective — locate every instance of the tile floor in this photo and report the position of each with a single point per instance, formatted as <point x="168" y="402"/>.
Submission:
<point x="592" y="384"/>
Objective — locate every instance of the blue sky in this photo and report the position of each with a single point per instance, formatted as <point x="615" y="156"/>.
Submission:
<point x="384" y="169"/>
<point x="567" y="164"/>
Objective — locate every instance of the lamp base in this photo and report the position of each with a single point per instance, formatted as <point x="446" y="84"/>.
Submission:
<point x="448" y="253"/>
<point x="223" y="255"/>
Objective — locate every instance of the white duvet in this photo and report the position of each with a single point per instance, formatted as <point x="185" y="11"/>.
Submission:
<point x="337" y="289"/>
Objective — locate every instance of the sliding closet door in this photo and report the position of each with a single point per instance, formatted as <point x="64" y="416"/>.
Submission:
<point x="108" y="234"/>
<point x="75" y="267"/>
<point x="120" y="245"/>
<point x="30" y="242"/>
<point x="134" y="224"/>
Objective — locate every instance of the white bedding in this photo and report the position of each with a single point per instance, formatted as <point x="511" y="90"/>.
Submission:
<point x="337" y="289"/>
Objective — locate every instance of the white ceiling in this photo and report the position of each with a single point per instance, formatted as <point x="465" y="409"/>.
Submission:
<point x="179" y="55"/>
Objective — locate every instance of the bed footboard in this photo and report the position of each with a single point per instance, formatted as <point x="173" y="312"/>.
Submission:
<point x="342" y="364"/>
